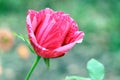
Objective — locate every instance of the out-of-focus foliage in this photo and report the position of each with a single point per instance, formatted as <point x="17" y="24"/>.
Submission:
<point x="95" y="70"/>
<point x="99" y="19"/>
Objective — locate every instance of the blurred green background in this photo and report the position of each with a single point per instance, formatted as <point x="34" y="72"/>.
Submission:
<point x="99" y="19"/>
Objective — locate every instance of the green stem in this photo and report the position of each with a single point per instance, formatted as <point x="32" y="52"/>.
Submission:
<point x="33" y="67"/>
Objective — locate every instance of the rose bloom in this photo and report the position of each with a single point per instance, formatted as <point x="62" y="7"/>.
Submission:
<point x="52" y="33"/>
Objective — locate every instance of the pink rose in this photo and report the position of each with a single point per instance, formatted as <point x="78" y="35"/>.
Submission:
<point x="52" y="33"/>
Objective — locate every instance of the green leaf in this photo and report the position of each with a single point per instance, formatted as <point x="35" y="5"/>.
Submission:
<point x="76" y="78"/>
<point x="29" y="46"/>
<point x="19" y="36"/>
<point x="25" y="40"/>
<point x="47" y="62"/>
<point x="95" y="70"/>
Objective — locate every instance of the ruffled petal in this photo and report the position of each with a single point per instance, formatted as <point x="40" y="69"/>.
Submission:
<point x="31" y="19"/>
<point x="78" y="37"/>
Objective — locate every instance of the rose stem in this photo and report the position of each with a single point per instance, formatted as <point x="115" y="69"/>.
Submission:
<point x="33" y="67"/>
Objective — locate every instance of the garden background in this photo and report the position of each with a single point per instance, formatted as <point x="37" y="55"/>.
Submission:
<point x="99" y="19"/>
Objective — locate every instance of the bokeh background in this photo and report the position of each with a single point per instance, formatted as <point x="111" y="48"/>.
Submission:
<point x="99" y="19"/>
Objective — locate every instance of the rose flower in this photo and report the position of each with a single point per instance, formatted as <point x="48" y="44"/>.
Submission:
<point x="52" y="33"/>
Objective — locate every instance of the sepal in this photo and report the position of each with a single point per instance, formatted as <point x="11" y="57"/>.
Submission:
<point x="47" y="62"/>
